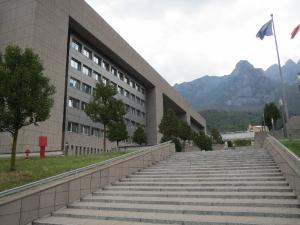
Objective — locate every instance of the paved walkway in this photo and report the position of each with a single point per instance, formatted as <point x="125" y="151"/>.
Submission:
<point x="221" y="187"/>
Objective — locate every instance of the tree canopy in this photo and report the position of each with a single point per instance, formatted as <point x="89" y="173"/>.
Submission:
<point x="271" y="111"/>
<point x="117" y="131"/>
<point x="25" y="93"/>
<point x="139" y="136"/>
<point x="216" y="136"/>
<point x="104" y="108"/>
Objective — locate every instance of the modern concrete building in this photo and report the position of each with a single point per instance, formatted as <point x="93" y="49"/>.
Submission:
<point x="78" y="48"/>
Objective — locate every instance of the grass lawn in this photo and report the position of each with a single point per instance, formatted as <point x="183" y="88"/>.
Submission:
<point x="293" y="145"/>
<point x="35" y="169"/>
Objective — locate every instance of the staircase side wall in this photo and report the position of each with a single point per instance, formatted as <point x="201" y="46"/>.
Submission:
<point x="25" y="206"/>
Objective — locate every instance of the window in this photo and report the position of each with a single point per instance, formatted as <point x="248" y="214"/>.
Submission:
<point x="96" y="132"/>
<point x="127" y="121"/>
<point x="127" y="94"/>
<point x="113" y="71"/>
<point x="97" y="76"/>
<point x="86" y="88"/>
<point x="133" y="111"/>
<point x="74" y="83"/>
<point x="83" y="105"/>
<point x="76" y="45"/>
<point x="132" y="123"/>
<point x="143" y="114"/>
<point x="75" y="64"/>
<point x="133" y="97"/>
<point x="120" y="90"/>
<point x="127" y="108"/>
<point x="73" y="127"/>
<point x="127" y="80"/>
<point x="97" y="60"/>
<point x="138" y="87"/>
<point x="142" y="102"/>
<point x="138" y="100"/>
<point x="86" y="52"/>
<point x="85" y="130"/>
<point x="105" y="65"/>
<point x="113" y="84"/>
<point x="73" y="103"/>
<point x="143" y="91"/>
<point x="132" y="84"/>
<point x="121" y="75"/>
<point x="105" y="80"/>
<point x="138" y="112"/>
<point x="87" y="71"/>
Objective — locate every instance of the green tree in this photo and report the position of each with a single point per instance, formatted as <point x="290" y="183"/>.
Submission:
<point x="117" y="131"/>
<point x="185" y="132"/>
<point x="169" y="125"/>
<point x="104" y="108"/>
<point x="216" y="136"/>
<point x="139" y="136"/>
<point x="203" y="141"/>
<point x="25" y="93"/>
<point x="271" y="111"/>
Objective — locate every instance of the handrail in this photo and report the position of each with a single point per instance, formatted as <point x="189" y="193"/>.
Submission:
<point x="76" y="171"/>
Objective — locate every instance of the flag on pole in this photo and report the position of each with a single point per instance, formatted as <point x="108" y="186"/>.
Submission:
<point x="295" y="31"/>
<point x="265" y="30"/>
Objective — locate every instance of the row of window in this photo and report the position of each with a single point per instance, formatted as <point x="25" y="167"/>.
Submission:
<point x="77" y="104"/>
<point x="102" y="63"/>
<point x="88" y="90"/>
<point x="93" y="131"/>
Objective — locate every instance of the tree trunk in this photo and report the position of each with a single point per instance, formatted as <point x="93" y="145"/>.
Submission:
<point x="118" y="145"/>
<point x="13" y="151"/>
<point x="104" y="138"/>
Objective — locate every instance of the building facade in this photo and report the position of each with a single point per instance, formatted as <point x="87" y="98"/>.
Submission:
<point x="78" y="49"/>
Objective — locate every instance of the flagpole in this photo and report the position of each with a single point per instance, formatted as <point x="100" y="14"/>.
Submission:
<point x="282" y="84"/>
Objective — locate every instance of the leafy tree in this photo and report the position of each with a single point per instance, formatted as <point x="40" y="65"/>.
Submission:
<point x="139" y="136"/>
<point x="216" y="136"/>
<point x="202" y="141"/>
<point x="169" y="125"/>
<point x="185" y="132"/>
<point x="117" y="131"/>
<point x="25" y="93"/>
<point x="271" y="111"/>
<point x="104" y="108"/>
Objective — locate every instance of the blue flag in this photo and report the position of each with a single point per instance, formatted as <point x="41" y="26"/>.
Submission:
<point x="265" y="30"/>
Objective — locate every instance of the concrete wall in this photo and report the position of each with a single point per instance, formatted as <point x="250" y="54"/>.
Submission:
<point x="35" y="202"/>
<point x="287" y="161"/>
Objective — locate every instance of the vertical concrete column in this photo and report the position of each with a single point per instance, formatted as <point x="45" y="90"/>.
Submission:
<point x="155" y="110"/>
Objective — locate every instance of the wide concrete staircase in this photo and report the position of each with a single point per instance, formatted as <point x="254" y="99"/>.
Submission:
<point x="219" y="187"/>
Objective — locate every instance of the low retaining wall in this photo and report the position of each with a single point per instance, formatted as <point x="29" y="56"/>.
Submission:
<point x="27" y="205"/>
<point x="287" y="161"/>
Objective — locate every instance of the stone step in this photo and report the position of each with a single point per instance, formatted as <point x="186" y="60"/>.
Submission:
<point x="79" y="221"/>
<point x="197" y="189"/>
<point x="185" y="179"/>
<point x="172" y="218"/>
<point x="187" y="209"/>
<point x="275" y="170"/>
<point x="216" y="165"/>
<point x="202" y="194"/>
<point x="250" y="202"/>
<point x="203" y="175"/>
<point x="204" y="183"/>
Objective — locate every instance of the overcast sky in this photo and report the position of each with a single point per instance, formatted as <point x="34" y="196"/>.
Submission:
<point x="186" y="39"/>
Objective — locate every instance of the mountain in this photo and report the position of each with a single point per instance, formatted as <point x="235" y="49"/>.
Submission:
<point x="246" y="89"/>
<point x="289" y="72"/>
